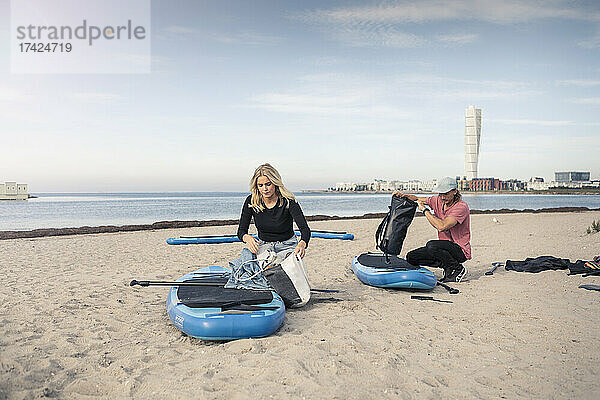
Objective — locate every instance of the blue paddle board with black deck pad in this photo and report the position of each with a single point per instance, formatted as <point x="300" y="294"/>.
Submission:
<point x="375" y="269"/>
<point x="214" y="312"/>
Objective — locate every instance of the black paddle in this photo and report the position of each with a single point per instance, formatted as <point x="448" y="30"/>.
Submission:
<point x="448" y="288"/>
<point x="590" y="287"/>
<point x="167" y="283"/>
<point x="324" y="290"/>
<point x="429" y="298"/>
<point x="494" y="266"/>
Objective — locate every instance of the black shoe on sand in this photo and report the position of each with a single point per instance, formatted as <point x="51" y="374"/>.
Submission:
<point x="455" y="274"/>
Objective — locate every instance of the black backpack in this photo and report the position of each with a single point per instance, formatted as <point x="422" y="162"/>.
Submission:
<point x="392" y="230"/>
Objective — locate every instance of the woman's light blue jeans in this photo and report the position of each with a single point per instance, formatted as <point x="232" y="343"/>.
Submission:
<point x="246" y="272"/>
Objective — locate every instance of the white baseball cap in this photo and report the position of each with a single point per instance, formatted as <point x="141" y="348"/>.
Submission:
<point x="445" y="185"/>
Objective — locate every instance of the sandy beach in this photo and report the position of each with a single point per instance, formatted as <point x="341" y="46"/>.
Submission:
<point x="72" y="328"/>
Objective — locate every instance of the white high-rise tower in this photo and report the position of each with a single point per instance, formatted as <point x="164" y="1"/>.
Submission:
<point x="472" y="135"/>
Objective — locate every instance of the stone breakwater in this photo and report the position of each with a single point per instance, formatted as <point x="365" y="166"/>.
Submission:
<point x="4" y="235"/>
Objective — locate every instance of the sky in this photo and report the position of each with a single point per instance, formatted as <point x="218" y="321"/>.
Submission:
<point x="337" y="91"/>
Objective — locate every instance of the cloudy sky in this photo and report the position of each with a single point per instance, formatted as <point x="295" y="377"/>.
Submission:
<point x="325" y="91"/>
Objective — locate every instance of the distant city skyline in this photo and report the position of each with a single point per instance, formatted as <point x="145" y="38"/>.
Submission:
<point x="326" y="92"/>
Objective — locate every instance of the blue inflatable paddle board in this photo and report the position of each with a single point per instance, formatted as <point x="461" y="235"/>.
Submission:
<point x="204" y="240"/>
<point x="234" y="238"/>
<point x="330" y="235"/>
<point x="216" y="313"/>
<point x="373" y="269"/>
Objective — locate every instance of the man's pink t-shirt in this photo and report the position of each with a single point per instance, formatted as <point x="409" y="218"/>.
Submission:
<point x="459" y="233"/>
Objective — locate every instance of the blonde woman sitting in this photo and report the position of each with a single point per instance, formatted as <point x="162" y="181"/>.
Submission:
<point x="274" y="209"/>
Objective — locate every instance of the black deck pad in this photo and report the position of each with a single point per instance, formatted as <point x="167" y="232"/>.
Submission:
<point x="213" y="279"/>
<point x="380" y="261"/>
<point x="220" y="297"/>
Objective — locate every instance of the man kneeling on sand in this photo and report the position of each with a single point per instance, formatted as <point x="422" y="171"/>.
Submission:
<point x="451" y="218"/>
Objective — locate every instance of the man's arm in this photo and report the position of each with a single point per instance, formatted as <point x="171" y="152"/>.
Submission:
<point x="409" y="196"/>
<point x="440" y="224"/>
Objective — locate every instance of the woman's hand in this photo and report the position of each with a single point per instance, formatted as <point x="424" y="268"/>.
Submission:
<point x="421" y="204"/>
<point x="398" y="193"/>
<point x="251" y="243"/>
<point x="300" y="249"/>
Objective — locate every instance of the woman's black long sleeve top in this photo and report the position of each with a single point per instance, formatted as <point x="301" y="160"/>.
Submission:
<point x="274" y="224"/>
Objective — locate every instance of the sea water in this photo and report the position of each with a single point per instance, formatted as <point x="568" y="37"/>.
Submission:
<point x="60" y="210"/>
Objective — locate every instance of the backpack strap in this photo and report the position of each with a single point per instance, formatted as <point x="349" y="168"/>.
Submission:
<point x="379" y="235"/>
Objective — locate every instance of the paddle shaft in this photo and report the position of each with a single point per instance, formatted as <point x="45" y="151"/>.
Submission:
<point x="429" y="298"/>
<point x="167" y="283"/>
<point x="448" y="288"/>
<point x="491" y="271"/>
<point x="324" y="290"/>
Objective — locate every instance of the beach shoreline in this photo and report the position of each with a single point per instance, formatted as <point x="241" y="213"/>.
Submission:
<point x="583" y="192"/>
<point x="85" y="230"/>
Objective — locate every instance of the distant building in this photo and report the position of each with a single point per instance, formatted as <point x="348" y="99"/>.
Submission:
<point x="571" y="176"/>
<point x="515" y="185"/>
<point x="414" y="185"/>
<point x="428" y="186"/>
<point x="486" y="184"/>
<point x="381" y="185"/>
<point x="395" y="185"/>
<point x="594" y="184"/>
<point x="387" y="186"/>
<point x="540" y="185"/>
<point x="13" y="191"/>
<point x="345" y="187"/>
<point x="462" y="183"/>
<point x="472" y="139"/>
<point x="537" y="183"/>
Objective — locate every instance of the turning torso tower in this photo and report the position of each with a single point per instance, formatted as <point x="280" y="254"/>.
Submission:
<point x="472" y="135"/>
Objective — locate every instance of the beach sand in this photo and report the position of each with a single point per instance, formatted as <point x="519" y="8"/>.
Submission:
<point x="72" y="328"/>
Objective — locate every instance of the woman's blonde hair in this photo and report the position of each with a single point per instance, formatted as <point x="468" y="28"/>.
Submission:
<point x="271" y="173"/>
